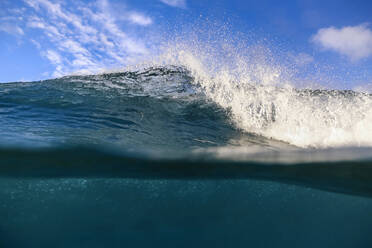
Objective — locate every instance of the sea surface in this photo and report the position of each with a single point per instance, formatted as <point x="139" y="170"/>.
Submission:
<point x="167" y="156"/>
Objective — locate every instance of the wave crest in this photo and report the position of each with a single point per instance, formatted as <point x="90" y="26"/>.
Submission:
<point x="256" y="98"/>
<point x="262" y="98"/>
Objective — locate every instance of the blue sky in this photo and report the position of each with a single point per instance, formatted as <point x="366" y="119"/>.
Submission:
<point x="49" y="38"/>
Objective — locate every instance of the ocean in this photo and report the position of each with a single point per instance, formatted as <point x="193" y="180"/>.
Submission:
<point x="173" y="156"/>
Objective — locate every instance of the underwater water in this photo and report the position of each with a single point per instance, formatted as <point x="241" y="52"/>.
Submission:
<point x="171" y="155"/>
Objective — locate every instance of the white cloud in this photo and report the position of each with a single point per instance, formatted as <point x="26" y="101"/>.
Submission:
<point x="175" y="3"/>
<point x="74" y="47"/>
<point x="53" y="57"/>
<point x="56" y="59"/>
<point x="354" y="42"/>
<point x="36" y="22"/>
<point x="56" y="11"/>
<point x="84" y="38"/>
<point x="140" y="19"/>
<point x="36" y="43"/>
<point x="82" y="61"/>
<point x="11" y="28"/>
<point x="105" y="40"/>
<point x="32" y="4"/>
<point x="119" y="38"/>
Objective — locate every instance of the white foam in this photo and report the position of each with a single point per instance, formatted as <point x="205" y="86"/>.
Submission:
<point x="261" y="98"/>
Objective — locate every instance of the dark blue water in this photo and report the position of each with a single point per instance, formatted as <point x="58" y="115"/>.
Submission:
<point x="149" y="158"/>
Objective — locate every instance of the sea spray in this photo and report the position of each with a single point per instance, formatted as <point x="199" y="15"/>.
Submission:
<point x="258" y="89"/>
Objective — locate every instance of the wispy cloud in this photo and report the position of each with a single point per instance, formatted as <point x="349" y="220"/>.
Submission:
<point x="56" y="59"/>
<point x="140" y="19"/>
<point x="175" y="3"/>
<point x="84" y="38"/>
<point x="355" y="42"/>
<point x="53" y="57"/>
<point x="11" y="28"/>
<point x="10" y="24"/>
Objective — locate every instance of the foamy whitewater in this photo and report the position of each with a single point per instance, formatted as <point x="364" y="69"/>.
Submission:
<point x="261" y="98"/>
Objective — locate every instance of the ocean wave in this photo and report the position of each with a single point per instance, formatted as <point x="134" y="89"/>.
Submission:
<point x="185" y="101"/>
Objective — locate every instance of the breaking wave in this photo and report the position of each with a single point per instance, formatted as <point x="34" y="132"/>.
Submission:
<point x="262" y="97"/>
<point x="188" y="102"/>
